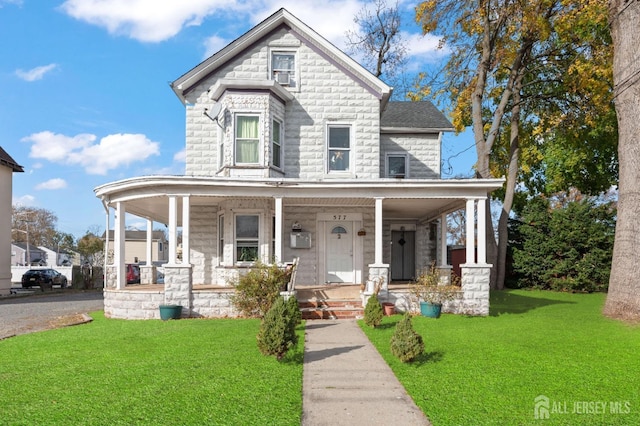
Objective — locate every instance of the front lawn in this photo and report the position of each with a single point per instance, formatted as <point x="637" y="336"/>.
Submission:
<point x="556" y="347"/>
<point x="118" y="372"/>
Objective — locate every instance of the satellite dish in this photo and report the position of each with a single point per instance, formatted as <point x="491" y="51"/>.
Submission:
<point x="213" y="112"/>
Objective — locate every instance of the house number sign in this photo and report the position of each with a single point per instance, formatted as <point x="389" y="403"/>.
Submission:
<point x="343" y="217"/>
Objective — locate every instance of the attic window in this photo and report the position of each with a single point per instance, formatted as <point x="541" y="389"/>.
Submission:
<point x="283" y="68"/>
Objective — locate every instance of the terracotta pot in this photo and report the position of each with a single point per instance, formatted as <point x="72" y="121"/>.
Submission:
<point x="389" y="308"/>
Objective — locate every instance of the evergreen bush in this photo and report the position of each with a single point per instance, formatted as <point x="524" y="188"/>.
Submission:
<point x="373" y="312"/>
<point x="293" y="310"/>
<point x="406" y="344"/>
<point x="258" y="289"/>
<point x="277" y="330"/>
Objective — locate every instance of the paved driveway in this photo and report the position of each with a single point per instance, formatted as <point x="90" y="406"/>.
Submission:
<point x="37" y="312"/>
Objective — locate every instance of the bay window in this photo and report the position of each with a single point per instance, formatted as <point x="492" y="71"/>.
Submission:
<point x="247" y="140"/>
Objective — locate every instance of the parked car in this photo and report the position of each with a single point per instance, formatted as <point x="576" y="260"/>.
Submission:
<point x="44" y="278"/>
<point x="133" y="273"/>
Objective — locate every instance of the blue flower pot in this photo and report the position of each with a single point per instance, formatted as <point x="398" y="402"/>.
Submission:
<point x="431" y="310"/>
<point x="168" y="312"/>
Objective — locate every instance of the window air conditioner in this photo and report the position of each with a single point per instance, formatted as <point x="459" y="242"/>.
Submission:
<point x="283" y="78"/>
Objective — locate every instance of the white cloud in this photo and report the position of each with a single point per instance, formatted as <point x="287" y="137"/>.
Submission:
<point x="24" y="201"/>
<point x="213" y="44"/>
<point x="111" y="152"/>
<point x="16" y="2"/>
<point x="426" y="47"/>
<point x="331" y="19"/>
<point x="36" y="73"/>
<point x="56" y="183"/>
<point x="144" y="20"/>
<point x="180" y="156"/>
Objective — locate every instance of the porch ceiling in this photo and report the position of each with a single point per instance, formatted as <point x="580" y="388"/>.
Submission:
<point x="147" y="197"/>
<point x="157" y="208"/>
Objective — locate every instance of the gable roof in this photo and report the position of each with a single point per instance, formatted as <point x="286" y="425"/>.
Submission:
<point x="6" y="160"/>
<point x="281" y="18"/>
<point x="417" y="117"/>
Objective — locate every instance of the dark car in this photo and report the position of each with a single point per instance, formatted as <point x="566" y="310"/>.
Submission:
<point x="44" y="278"/>
<point x="133" y="273"/>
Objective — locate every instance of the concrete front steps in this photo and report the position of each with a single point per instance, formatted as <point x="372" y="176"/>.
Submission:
<point x="330" y="302"/>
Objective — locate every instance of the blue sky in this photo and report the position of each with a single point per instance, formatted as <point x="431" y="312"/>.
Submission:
<point x="86" y="97"/>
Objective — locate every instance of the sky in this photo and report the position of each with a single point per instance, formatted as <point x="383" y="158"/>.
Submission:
<point x="86" y="97"/>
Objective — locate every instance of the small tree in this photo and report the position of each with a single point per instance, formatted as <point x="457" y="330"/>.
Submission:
<point x="373" y="312"/>
<point x="406" y="344"/>
<point x="257" y="290"/>
<point x="293" y="310"/>
<point x="277" y="330"/>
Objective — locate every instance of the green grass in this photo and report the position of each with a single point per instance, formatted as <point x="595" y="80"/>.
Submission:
<point x="118" y="372"/>
<point x="488" y="371"/>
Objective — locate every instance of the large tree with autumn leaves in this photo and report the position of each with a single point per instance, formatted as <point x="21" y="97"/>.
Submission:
<point x="523" y="75"/>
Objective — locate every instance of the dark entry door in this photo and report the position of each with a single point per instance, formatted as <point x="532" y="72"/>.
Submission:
<point x="403" y="255"/>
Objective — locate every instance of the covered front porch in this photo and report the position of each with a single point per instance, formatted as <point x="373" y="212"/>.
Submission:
<point x="206" y="244"/>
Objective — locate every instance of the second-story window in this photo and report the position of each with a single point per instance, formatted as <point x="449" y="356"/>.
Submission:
<point x="276" y="144"/>
<point x="397" y="165"/>
<point x="283" y="68"/>
<point x="247" y="139"/>
<point x="339" y="144"/>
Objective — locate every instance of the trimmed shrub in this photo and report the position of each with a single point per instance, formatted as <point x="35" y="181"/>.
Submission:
<point x="373" y="312"/>
<point x="293" y="310"/>
<point x="406" y="344"/>
<point x="277" y="330"/>
<point x="258" y="289"/>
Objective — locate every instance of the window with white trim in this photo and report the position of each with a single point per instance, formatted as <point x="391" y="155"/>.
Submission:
<point x="276" y="144"/>
<point x="247" y="231"/>
<point x="247" y="139"/>
<point x="339" y="147"/>
<point x="397" y="165"/>
<point x="221" y="239"/>
<point x="283" y="67"/>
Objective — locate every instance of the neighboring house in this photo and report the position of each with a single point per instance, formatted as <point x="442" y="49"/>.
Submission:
<point x="60" y="258"/>
<point x="136" y="246"/>
<point x="20" y="255"/>
<point x="295" y="150"/>
<point x="8" y="167"/>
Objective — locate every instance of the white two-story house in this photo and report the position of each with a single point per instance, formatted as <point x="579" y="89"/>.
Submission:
<point x="294" y="150"/>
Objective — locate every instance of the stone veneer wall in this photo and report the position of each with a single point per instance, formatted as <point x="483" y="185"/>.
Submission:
<point x="144" y="304"/>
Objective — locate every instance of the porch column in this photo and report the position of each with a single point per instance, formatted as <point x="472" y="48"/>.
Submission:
<point x="118" y="245"/>
<point x="278" y="236"/>
<point x="378" y="232"/>
<point x="149" y="257"/>
<point x="482" y="229"/>
<point x="471" y="238"/>
<point x="186" y="207"/>
<point x="173" y="229"/>
<point x="443" y="240"/>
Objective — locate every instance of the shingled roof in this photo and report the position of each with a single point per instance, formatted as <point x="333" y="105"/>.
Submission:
<point x="6" y="160"/>
<point x="414" y="116"/>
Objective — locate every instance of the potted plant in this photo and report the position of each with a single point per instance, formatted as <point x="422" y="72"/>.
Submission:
<point x="431" y="294"/>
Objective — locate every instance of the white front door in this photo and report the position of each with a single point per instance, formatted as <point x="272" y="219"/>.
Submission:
<point x="339" y="252"/>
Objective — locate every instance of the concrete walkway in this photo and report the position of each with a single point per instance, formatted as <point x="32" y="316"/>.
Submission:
<point x="346" y="381"/>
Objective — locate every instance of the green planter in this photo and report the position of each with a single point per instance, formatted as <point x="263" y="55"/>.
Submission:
<point x="431" y="310"/>
<point x="168" y="312"/>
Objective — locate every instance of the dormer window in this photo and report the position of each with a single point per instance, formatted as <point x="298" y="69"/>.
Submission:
<point x="283" y="68"/>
